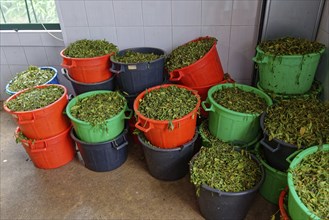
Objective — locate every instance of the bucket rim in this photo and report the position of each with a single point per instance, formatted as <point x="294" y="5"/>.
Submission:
<point x="163" y="53"/>
<point x="34" y="110"/>
<point x="247" y="88"/>
<point x="88" y="84"/>
<point x="91" y="144"/>
<point x="84" y="59"/>
<point x="87" y="94"/>
<point x="249" y="191"/>
<point x="41" y="68"/>
<point x="163" y="122"/>
<point x="179" y="148"/>
<point x="32" y="141"/>
<point x="290" y="56"/>
<point x="292" y="191"/>
<point x="202" y="58"/>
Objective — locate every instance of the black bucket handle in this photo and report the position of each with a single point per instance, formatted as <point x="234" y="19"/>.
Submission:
<point x="270" y="148"/>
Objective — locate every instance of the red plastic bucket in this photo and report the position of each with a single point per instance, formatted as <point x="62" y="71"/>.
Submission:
<point x="44" y="122"/>
<point x="157" y="131"/>
<point x="87" y="70"/>
<point x="206" y="71"/>
<point x="51" y="152"/>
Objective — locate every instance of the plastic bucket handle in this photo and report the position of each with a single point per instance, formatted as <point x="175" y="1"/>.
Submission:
<point x="116" y="71"/>
<point x="130" y="113"/>
<point x="290" y="158"/>
<point x="265" y="144"/>
<point x="262" y="60"/>
<point x="120" y="146"/>
<point x="281" y="204"/>
<point x="23" y="122"/>
<point x="40" y="149"/>
<point x="143" y="128"/>
<point x="176" y="75"/>
<point x="73" y="64"/>
<point x="210" y="109"/>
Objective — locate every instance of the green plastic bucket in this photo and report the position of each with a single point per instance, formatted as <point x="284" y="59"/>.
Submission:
<point x="296" y="208"/>
<point x="287" y="74"/>
<point x="275" y="181"/>
<point x="232" y="126"/>
<point x="96" y="134"/>
<point x="206" y="142"/>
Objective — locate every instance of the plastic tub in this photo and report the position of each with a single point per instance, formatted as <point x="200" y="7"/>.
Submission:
<point x="168" y="164"/>
<point x="276" y="151"/>
<point x="97" y="134"/>
<point x="53" y="80"/>
<point x="206" y="71"/>
<point x="288" y="74"/>
<point x="296" y="208"/>
<point x="232" y="126"/>
<point x="87" y="70"/>
<point x="215" y="204"/>
<point x="275" y="181"/>
<point x="134" y="78"/>
<point x="80" y="87"/>
<point x="51" y="152"/>
<point x="105" y="156"/>
<point x="157" y="131"/>
<point x="44" y="122"/>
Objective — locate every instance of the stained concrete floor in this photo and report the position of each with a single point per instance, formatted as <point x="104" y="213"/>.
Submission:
<point x="74" y="192"/>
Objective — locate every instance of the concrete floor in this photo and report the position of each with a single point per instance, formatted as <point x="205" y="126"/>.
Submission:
<point x="74" y="192"/>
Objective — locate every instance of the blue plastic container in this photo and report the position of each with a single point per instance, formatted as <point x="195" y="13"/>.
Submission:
<point x="53" y="80"/>
<point x="104" y="156"/>
<point x="133" y="78"/>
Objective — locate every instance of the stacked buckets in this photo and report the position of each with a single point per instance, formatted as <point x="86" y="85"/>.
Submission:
<point x="88" y="74"/>
<point x="48" y="130"/>
<point x="103" y="148"/>
<point x="169" y="151"/>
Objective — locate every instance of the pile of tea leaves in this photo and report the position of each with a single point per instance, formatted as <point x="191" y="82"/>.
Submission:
<point x="21" y="137"/>
<point x="224" y="169"/>
<point x="189" y="53"/>
<point x="35" y="98"/>
<point x="167" y="103"/>
<point x="136" y="57"/>
<point x="33" y="76"/>
<point x="98" y="108"/>
<point x="238" y="100"/>
<point x="311" y="182"/>
<point x="299" y="122"/>
<point x="89" y="48"/>
<point x="290" y="46"/>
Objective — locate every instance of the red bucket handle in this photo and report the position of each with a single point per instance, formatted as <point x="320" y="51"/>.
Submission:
<point x="64" y="65"/>
<point x="23" y="122"/>
<point x="143" y="129"/>
<point x="176" y="75"/>
<point x="39" y="149"/>
<point x="283" y="212"/>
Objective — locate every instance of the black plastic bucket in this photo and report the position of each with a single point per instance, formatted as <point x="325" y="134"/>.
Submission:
<point x="168" y="164"/>
<point x="105" y="156"/>
<point x="215" y="204"/>
<point x="276" y="151"/>
<point x="81" y="87"/>
<point x="134" y="78"/>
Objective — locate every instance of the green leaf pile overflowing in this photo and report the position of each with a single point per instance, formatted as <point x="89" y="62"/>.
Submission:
<point x="239" y="100"/>
<point x="90" y="48"/>
<point x="33" y="76"/>
<point x="21" y="137"/>
<point x="167" y="103"/>
<point x="311" y="182"/>
<point x="290" y="46"/>
<point x="189" y="53"/>
<point x="300" y="122"/>
<point x="35" y="98"/>
<point x="224" y="169"/>
<point x="98" y="108"/>
<point x="136" y="57"/>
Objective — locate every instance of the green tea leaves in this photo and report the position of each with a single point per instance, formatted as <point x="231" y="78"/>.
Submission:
<point x="89" y="48"/>
<point x="136" y="57"/>
<point x="35" y="98"/>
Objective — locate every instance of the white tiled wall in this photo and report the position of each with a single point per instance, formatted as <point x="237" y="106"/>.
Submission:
<point x="24" y="48"/>
<point x="323" y="37"/>
<point x="167" y="24"/>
